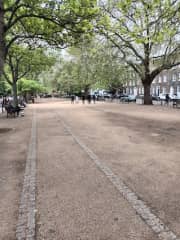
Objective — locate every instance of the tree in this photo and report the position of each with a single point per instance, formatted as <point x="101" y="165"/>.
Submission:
<point x="5" y="88"/>
<point x="32" y="87"/>
<point x="91" y="64"/>
<point x="2" y="37"/>
<point x="53" y="22"/>
<point x="21" y="62"/>
<point x="146" y="34"/>
<point x="77" y="73"/>
<point x="110" y="72"/>
<point x="99" y="66"/>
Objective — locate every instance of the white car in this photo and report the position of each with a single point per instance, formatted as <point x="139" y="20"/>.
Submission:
<point x="174" y="96"/>
<point x="162" y="96"/>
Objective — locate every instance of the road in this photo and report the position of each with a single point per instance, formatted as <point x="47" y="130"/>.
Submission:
<point x="104" y="171"/>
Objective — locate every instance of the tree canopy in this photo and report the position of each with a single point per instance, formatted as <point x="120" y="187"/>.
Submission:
<point x="145" y="33"/>
<point x="90" y="65"/>
<point x="30" y="86"/>
<point x="53" y="22"/>
<point x="23" y="62"/>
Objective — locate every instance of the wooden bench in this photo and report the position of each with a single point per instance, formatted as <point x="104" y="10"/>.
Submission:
<point x="13" y="111"/>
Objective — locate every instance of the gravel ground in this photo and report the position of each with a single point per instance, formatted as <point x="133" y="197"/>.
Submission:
<point x="75" y="200"/>
<point x="141" y="146"/>
<point x="14" y="140"/>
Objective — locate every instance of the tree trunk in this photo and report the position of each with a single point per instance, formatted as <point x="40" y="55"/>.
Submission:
<point x="147" y="94"/>
<point x="2" y="38"/>
<point x="14" y="88"/>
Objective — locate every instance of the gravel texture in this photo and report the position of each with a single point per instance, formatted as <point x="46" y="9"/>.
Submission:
<point x="113" y="134"/>
<point x="105" y="171"/>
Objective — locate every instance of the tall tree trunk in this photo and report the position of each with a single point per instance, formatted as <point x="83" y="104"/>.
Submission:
<point x="147" y="93"/>
<point x="14" y="88"/>
<point x="2" y="37"/>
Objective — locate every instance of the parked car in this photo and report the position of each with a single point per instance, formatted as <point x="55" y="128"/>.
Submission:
<point x="162" y="96"/>
<point x="120" y="95"/>
<point x="132" y="98"/>
<point x="174" y="97"/>
<point x="155" y="98"/>
<point x="107" y="94"/>
<point x="140" y="96"/>
<point x="47" y="95"/>
<point x="128" y="98"/>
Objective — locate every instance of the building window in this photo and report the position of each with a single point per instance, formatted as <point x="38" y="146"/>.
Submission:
<point x="179" y="76"/>
<point x="164" y="90"/>
<point x="174" y="77"/>
<point x="153" y="91"/>
<point x="135" y="91"/>
<point x="139" y="81"/>
<point x="178" y="90"/>
<point x="171" y="90"/>
<point x="165" y="78"/>
<point x="175" y="90"/>
<point x="160" y="80"/>
<point x="157" y="90"/>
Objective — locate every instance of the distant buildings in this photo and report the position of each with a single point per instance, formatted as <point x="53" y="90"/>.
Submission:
<point x="168" y="81"/>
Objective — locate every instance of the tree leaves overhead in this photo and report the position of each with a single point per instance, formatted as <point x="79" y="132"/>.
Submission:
<point x="142" y="22"/>
<point x="55" y="22"/>
<point x="22" y="61"/>
<point x="146" y="33"/>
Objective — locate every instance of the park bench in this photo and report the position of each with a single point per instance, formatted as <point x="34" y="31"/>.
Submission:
<point x="13" y="111"/>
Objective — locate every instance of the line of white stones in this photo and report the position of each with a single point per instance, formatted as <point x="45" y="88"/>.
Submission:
<point x="155" y="223"/>
<point x="26" y="221"/>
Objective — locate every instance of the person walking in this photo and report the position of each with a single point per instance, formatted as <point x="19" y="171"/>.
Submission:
<point x="94" y="98"/>
<point x="83" y="99"/>
<point x="89" y="98"/>
<point x="72" y="98"/>
<point x="167" y="99"/>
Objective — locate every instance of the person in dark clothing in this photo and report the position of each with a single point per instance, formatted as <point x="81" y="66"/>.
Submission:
<point x="94" y="98"/>
<point x="32" y="99"/>
<point x="167" y="99"/>
<point x="72" y="98"/>
<point x="89" y="98"/>
<point x="83" y="99"/>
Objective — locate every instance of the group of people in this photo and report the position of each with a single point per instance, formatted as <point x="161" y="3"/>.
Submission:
<point x="7" y="102"/>
<point x="89" y="98"/>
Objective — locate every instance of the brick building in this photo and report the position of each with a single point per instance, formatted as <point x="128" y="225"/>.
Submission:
<point x="168" y="81"/>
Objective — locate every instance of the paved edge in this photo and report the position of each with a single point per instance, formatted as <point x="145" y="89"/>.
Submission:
<point x="141" y="208"/>
<point x="26" y="220"/>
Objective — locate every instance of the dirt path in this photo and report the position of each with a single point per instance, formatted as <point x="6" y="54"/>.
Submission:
<point x="135" y="142"/>
<point x="84" y="154"/>
<point x="14" y="140"/>
<point x="75" y="200"/>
